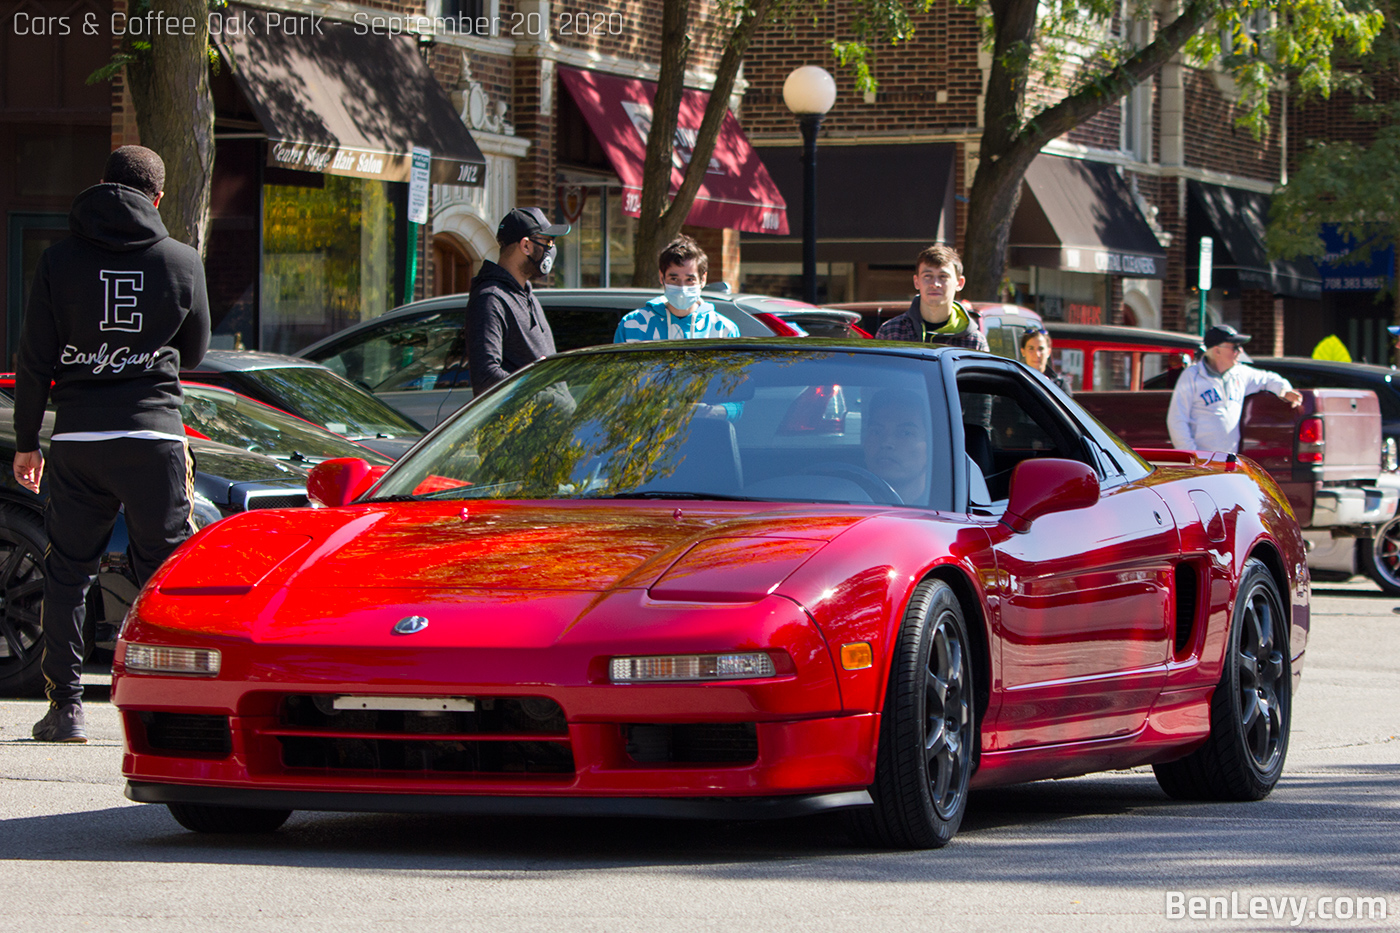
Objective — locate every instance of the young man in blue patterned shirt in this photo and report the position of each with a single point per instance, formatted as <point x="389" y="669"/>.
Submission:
<point x="680" y="313"/>
<point x="936" y="316"/>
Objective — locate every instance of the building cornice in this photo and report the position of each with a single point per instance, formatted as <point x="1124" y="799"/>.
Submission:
<point x="865" y="139"/>
<point x="498" y="144"/>
<point x="1113" y="157"/>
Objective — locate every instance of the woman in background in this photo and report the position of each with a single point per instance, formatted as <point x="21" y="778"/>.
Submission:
<point x="1035" y="350"/>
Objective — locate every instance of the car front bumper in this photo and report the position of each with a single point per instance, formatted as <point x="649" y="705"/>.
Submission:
<point x="698" y="808"/>
<point x="793" y="758"/>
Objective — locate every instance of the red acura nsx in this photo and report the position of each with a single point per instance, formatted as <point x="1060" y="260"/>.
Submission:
<point x="727" y="579"/>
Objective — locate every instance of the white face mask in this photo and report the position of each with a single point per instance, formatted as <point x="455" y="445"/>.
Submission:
<point x="682" y="296"/>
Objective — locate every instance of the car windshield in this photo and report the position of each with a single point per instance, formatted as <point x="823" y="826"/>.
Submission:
<point x="714" y="422"/>
<point x="232" y="419"/>
<point x="320" y="396"/>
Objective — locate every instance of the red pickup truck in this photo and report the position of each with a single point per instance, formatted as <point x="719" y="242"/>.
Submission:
<point x="1325" y="454"/>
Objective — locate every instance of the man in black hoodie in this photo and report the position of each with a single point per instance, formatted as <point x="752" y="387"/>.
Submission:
<point x="116" y="309"/>
<point x="506" y="327"/>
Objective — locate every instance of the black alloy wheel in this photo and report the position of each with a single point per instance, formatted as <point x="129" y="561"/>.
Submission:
<point x="1251" y="711"/>
<point x="928" y="731"/>
<point x="22" y="543"/>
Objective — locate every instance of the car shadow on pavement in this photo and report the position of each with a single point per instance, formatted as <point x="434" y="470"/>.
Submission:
<point x="1333" y="826"/>
<point x="1325" y="589"/>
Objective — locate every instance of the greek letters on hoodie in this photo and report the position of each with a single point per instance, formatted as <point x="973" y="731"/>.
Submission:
<point x="1206" y="406"/>
<point x="116" y="309"/>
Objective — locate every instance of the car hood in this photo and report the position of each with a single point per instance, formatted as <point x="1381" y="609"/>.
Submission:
<point x="495" y="546"/>
<point x="501" y="570"/>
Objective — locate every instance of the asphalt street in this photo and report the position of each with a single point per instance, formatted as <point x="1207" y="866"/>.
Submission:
<point x="1105" y="852"/>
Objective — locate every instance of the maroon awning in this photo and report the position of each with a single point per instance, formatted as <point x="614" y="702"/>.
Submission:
<point x="737" y="192"/>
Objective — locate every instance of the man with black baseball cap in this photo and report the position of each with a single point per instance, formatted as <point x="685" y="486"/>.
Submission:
<point x="1208" y="400"/>
<point x="506" y="327"/>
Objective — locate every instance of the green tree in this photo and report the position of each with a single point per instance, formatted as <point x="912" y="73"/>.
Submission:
<point x="1032" y="39"/>
<point x="1353" y="186"/>
<point x="736" y="23"/>
<point x="1070" y="47"/>
<point x="167" y="71"/>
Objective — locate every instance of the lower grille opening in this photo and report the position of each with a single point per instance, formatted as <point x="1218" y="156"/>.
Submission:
<point x="187" y="732"/>
<point x="449" y="757"/>
<point x="692" y="743"/>
<point x="498" y="735"/>
<point x="529" y="715"/>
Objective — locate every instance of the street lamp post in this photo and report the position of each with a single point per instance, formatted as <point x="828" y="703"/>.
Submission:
<point x="809" y="93"/>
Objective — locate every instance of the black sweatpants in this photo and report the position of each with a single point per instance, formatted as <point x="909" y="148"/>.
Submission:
<point x="88" y="483"/>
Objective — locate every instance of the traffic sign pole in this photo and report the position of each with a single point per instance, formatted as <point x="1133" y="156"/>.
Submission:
<point x="1203" y="280"/>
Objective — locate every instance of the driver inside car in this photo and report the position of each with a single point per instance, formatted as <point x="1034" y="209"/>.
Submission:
<point x="895" y="438"/>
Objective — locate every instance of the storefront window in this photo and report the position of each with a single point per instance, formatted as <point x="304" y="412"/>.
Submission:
<point x="581" y="252"/>
<point x="332" y="256"/>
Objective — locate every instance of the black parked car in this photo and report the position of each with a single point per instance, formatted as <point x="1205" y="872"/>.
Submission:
<point x="227" y="480"/>
<point x="414" y="357"/>
<point x="311" y="392"/>
<point x="1377" y="557"/>
<point x="227" y="417"/>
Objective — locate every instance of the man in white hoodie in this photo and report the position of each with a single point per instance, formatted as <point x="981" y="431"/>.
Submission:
<point x="1209" y="397"/>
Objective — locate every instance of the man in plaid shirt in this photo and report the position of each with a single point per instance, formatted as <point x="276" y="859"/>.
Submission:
<point x="936" y="316"/>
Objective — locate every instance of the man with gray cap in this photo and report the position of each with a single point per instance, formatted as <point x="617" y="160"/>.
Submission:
<point x="1208" y="400"/>
<point x="506" y="327"/>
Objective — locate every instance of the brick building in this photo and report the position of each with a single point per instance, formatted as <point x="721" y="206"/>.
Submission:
<point x="1110" y="214"/>
<point x="318" y="107"/>
<point x="1108" y="226"/>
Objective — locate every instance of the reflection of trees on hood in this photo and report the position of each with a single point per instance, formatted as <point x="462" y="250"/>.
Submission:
<point x="630" y="412"/>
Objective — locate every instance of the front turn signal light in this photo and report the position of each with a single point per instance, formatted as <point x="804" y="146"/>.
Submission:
<point x="857" y="656"/>
<point x="670" y="668"/>
<point x="166" y="660"/>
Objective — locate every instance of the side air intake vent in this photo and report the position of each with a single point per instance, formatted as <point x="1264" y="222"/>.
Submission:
<point x="1187" y="606"/>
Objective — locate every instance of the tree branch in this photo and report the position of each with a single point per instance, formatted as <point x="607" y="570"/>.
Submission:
<point x="751" y="18"/>
<point x="665" y="112"/>
<point x="1062" y="117"/>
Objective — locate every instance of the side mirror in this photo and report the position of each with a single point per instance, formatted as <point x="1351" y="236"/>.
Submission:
<point x="341" y="481"/>
<point x="1040" y="487"/>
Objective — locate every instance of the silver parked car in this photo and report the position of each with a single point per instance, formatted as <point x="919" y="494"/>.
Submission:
<point x="415" y="357"/>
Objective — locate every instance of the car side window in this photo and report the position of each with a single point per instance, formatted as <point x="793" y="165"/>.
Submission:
<point x="1005" y="421"/>
<point x="1113" y="370"/>
<point x="1069" y="362"/>
<point x="412" y="355"/>
<point x="575" y="328"/>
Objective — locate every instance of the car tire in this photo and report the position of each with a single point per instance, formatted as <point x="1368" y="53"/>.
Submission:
<point x="22" y="544"/>
<point x="928" y="731"/>
<point x="1252" y="708"/>
<point x="1379" y="557"/>
<point x="206" y="818"/>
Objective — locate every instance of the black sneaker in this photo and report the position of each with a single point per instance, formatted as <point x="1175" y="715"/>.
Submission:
<point x="62" y="723"/>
